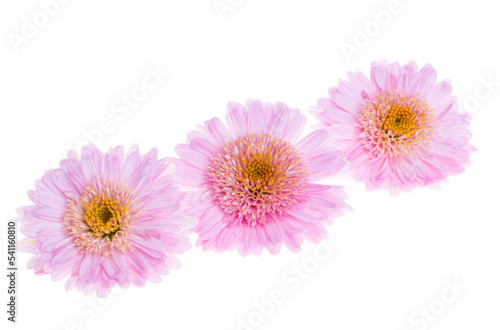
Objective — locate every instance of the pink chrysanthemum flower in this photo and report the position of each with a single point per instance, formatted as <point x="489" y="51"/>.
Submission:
<point x="400" y="129"/>
<point x="105" y="220"/>
<point x="254" y="183"/>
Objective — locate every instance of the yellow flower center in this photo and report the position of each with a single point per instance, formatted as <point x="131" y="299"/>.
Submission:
<point x="103" y="215"/>
<point x="400" y="121"/>
<point x="101" y="218"/>
<point x="257" y="177"/>
<point x="395" y="123"/>
<point x="260" y="171"/>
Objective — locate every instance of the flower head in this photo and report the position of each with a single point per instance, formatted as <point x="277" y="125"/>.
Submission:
<point x="105" y="220"/>
<point x="253" y="183"/>
<point x="400" y="129"/>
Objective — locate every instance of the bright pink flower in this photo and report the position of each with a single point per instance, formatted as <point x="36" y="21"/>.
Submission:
<point x="400" y="129"/>
<point x="254" y="183"/>
<point x="105" y="220"/>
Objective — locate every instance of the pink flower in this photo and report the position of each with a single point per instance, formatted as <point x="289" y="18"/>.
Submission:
<point x="400" y="129"/>
<point x="254" y="184"/>
<point x="105" y="220"/>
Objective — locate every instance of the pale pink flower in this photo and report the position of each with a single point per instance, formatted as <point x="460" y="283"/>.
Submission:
<point x="400" y="129"/>
<point x="105" y="220"/>
<point x="253" y="183"/>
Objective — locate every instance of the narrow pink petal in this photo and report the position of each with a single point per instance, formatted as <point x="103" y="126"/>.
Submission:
<point x="192" y="157"/>
<point x="379" y="76"/>
<point x="188" y="175"/>
<point x="119" y="261"/>
<point x="131" y="162"/>
<point x="218" y="131"/>
<point x="324" y="165"/>
<point x="293" y="242"/>
<point x="236" y="119"/>
<point x="203" y="146"/>
<point x="360" y="82"/>
<point x="423" y="81"/>
<point x="274" y="232"/>
<point x="294" y="128"/>
<point x="440" y="92"/>
<point x="249" y="240"/>
<point x="85" y="267"/>
<point x="256" y="117"/>
<point x="212" y="217"/>
<point x="312" y="141"/>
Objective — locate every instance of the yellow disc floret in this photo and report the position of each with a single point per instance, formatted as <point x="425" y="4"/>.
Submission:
<point x="103" y="215"/>
<point x="260" y="171"/>
<point x="395" y="123"/>
<point x="400" y="121"/>
<point x="257" y="177"/>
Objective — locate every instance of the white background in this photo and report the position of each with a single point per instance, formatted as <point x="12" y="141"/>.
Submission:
<point x="394" y="254"/>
